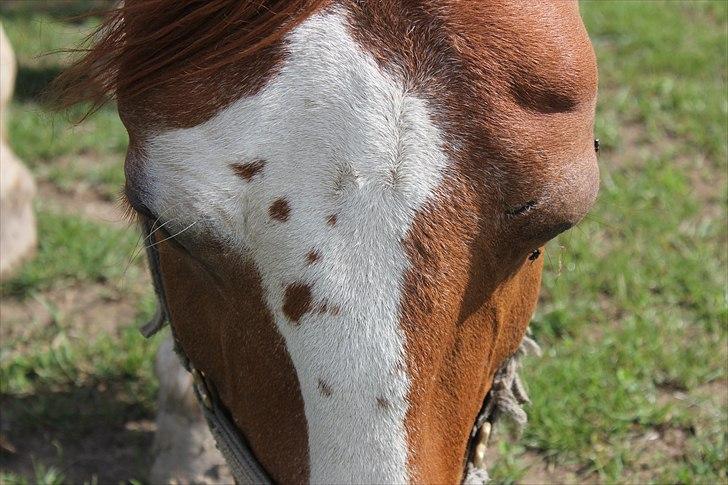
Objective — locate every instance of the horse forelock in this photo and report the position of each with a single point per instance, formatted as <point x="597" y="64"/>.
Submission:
<point x="142" y="44"/>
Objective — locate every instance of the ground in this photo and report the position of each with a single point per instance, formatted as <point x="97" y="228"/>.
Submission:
<point x="631" y="386"/>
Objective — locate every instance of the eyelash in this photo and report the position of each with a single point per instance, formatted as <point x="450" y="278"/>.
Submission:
<point x="523" y="209"/>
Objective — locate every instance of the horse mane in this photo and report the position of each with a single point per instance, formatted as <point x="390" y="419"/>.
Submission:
<point x="144" y="43"/>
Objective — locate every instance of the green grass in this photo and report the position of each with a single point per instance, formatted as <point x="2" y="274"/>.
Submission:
<point x="74" y="249"/>
<point x="633" y="318"/>
<point x="662" y="65"/>
<point x="103" y="176"/>
<point x="38" y="136"/>
<point x="72" y="361"/>
<point x="42" y="476"/>
<point x="75" y="390"/>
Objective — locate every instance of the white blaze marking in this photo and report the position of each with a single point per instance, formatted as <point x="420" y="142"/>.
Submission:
<point x="338" y="136"/>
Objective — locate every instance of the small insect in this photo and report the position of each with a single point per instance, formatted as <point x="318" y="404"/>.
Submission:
<point x="596" y="145"/>
<point x="534" y="255"/>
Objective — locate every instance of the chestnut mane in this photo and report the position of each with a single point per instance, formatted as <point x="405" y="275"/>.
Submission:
<point x="143" y="43"/>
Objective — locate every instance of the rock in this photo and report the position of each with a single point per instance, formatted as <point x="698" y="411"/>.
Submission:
<point x="7" y="68"/>
<point x="184" y="448"/>
<point x="17" y="222"/>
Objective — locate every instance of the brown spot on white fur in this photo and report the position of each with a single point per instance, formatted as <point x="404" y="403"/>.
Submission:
<point x="323" y="308"/>
<point x="297" y="301"/>
<point x="280" y="210"/>
<point x="248" y="170"/>
<point x="327" y="307"/>
<point x="313" y="256"/>
<point x="324" y="388"/>
<point x="331" y="220"/>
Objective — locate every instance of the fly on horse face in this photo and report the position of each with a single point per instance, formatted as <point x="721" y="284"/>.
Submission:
<point x="345" y="203"/>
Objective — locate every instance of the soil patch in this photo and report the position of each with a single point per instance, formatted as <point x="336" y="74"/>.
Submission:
<point x="82" y="201"/>
<point x="82" y="310"/>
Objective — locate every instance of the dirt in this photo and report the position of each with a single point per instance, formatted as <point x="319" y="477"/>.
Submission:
<point x="89" y="431"/>
<point x="540" y="471"/>
<point x="661" y="446"/>
<point x="707" y="178"/>
<point x="76" y="201"/>
<point x="81" y="310"/>
<point x="97" y="202"/>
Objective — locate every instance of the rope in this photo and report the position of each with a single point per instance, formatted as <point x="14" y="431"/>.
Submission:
<point x="506" y="398"/>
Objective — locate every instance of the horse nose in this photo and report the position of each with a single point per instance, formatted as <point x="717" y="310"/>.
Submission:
<point x="563" y="202"/>
<point x="583" y="189"/>
<point x="572" y="198"/>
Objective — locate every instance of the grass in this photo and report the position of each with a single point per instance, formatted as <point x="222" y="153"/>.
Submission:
<point x="50" y="136"/>
<point x="670" y="80"/>
<point x="74" y="249"/>
<point x="633" y="316"/>
<point x="42" y="476"/>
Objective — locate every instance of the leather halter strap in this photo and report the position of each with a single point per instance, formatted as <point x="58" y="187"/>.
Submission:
<point x="244" y="467"/>
<point x="506" y="397"/>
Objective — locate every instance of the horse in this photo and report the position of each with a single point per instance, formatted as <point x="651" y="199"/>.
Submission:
<point x="345" y="203"/>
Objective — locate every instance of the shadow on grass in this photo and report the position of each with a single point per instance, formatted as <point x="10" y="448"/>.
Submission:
<point x="32" y="82"/>
<point x="82" y="432"/>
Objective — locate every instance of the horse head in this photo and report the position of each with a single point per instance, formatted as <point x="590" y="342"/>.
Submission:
<point x="348" y="201"/>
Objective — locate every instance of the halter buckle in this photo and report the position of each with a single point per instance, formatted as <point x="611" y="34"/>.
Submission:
<point x="201" y="388"/>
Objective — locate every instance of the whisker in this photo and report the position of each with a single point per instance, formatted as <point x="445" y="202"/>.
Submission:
<point x="129" y="216"/>
<point x="551" y="263"/>
<point x="159" y="217"/>
<point x="140" y="244"/>
<point x="172" y="236"/>
<point x="130" y="260"/>
<point x="153" y="230"/>
<point x="590" y="217"/>
<point x="138" y="248"/>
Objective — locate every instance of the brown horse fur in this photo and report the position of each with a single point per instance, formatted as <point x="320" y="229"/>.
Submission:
<point x="512" y="85"/>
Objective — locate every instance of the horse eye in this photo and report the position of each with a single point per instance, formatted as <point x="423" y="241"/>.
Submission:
<point x="596" y="145"/>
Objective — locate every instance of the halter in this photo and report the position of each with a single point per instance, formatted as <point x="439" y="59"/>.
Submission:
<point x="506" y="397"/>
